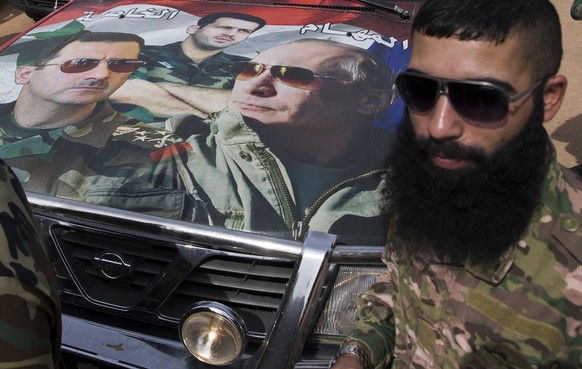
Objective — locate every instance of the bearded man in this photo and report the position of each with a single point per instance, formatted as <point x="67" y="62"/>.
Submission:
<point x="484" y="248"/>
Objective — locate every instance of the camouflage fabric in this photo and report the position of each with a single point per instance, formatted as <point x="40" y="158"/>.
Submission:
<point x="238" y="183"/>
<point x="527" y="313"/>
<point x="16" y="141"/>
<point x="168" y="63"/>
<point x="94" y="160"/>
<point x="30" y="320"/>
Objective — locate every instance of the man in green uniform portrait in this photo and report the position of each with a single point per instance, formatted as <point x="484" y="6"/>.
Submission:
<point x="64" y="92"/>
<point x="190" y="76"/>
<point x="61" y="137"/>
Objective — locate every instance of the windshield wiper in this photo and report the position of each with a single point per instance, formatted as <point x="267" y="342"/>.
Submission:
<point x="403" y="13"/>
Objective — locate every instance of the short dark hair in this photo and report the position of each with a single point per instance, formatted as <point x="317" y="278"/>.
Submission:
<point x="211" y="18"/>
<point x="86" y="36"/>
<point x="536" y="22"/>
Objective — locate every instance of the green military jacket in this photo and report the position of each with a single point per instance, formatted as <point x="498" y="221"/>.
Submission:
<point x="94" y="161"/>
<point x="236" y="182"/>
<point x="30" y="313"/>
<point x="526" y="313"/>
<point x="168" y="63"/>
<point x="16" y="141"/>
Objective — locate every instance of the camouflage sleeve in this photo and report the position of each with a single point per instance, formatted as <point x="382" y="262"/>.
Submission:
<point x="140" y="73"/>
<point x="375" y="326"/>
<point x="30" y="324"/>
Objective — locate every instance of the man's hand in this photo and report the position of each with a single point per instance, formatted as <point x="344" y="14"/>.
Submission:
<point x="206" y="100"/>
<point x="347" y="361"/>
<point x="152" y="97"/>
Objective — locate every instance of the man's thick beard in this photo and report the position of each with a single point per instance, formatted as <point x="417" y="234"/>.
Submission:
<point x="471" y="215"/>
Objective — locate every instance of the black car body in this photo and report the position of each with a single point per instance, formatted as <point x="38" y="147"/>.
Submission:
<point x="128" y="281"/>
<point x="37" y="9"/>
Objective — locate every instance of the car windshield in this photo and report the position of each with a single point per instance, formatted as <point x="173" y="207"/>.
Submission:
<point x="273" y="120"/>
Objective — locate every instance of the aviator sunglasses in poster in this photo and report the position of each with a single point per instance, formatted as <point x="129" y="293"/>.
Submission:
<point x="291" y="76"/>
<point x="86" y="64"/>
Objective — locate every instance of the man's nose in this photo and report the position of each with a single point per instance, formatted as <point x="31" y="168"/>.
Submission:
<point x="230" y="31"/>
<point x="101" y="71"/>
<point x="263" y="84"/>
<point x="444" y="122"/>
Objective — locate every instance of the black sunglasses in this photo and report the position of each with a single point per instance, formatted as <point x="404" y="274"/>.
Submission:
<point x="85" y="64"/>
<point x="291" y="76"/>
<point x="480" y="102"/>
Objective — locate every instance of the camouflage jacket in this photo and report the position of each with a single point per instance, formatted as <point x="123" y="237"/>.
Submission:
<point x="30" y="313"/>
<point x="238" y="183"/>
<point x="93" y="162"/>
<point x="168" y="63"/>
<point x="16" y="141"/>
<point x="527" y="313"/>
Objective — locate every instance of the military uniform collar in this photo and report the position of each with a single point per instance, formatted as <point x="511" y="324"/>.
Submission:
<point x="175" y="52"/>
<point x="231" y="127"/>
<point x="550" y="205"/>
<point x="95" y="131"/>
<point x="494" y="275"/>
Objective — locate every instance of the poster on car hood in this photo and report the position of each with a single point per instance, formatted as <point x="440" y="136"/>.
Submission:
<point x="274" y="119"/>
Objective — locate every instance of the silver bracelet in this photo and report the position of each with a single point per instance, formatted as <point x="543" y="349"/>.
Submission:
<point x="352" y="349"/>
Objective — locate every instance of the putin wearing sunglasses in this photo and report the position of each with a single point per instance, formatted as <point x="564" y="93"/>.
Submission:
<point x="295" y="150"/>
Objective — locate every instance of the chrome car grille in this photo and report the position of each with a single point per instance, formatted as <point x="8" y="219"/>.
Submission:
<point x="127" y="274"/>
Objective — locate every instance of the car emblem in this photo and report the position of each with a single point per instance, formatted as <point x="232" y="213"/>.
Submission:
<point x="112" y="265"/>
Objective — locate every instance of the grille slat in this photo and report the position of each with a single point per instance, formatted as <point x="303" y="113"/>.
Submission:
<point x="134" y="280"/>
<point x="218" y="280"/>
<point x="229" y="297"/>
<point x="93" y="241"/>
<point x="248" y="269"/>
<point x="144" y="266"/>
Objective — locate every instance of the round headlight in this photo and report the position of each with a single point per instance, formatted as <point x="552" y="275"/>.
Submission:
<point x="213" y="333"/>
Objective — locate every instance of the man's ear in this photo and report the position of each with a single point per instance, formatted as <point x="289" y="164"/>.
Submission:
<point x="192" y="29"/>
<point x="22" y="74"/>
<point x="375" y="100"/>
<point x="554" y="91"/>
